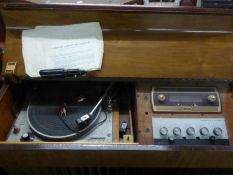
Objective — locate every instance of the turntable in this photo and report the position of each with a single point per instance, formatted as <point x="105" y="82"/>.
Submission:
<point x="56" y="115"/>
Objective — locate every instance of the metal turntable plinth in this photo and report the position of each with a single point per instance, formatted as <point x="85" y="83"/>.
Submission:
<point x="64" y="112"/>
<point x="102" y="133"/>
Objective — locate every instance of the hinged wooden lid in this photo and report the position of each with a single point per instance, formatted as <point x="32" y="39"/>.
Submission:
<point x="139" y="44"/>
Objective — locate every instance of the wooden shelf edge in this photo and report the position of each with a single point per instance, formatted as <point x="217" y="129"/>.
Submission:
<point x="120" y="8"/>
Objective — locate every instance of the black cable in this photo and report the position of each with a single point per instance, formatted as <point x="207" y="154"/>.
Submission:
<point x="68" y="126"/>
<point x="78" y="132"/>
<point x="101" y="122"/>
<point x="97" y="105"/>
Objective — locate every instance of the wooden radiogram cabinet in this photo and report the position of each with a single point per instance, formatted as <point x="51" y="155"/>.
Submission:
<point x="144" y="46"/>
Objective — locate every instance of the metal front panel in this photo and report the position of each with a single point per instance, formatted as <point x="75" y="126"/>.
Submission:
<point x="163" y="130"/>
<point x="99" y="134"/>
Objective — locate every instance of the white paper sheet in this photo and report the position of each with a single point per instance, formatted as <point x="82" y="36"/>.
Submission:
<point x="72" y="46"/>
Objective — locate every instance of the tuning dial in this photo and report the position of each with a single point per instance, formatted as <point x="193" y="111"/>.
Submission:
<point x="190" y="131"/>
<point x="163" y="131"/>
<point x="204" y="131"/>
<point x="177" y="131"/>
<point x="217" y="131"/>
<point x="211" y="98"/>
<point x="161" y="97"/>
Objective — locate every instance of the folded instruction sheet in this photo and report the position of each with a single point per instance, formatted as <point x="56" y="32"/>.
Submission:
<point x="77" y="46"/>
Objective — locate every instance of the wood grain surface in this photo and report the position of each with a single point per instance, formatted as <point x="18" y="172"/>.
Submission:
<point x="20" y="4"/>
<point x="116" y="20"/>
<point x="6" y="115"/>
<point x="131" y="42"/>
<point x="2" y="29"/>
<point x="115" y="127"/>
<point x="153" y="55"/>
<point x="83" y="155"/>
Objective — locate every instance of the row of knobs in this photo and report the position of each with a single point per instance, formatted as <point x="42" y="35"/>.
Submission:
<point x="211" y="98"/>
<point x="191" y="131"/>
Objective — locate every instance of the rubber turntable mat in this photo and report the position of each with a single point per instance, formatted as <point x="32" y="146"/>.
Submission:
<point x="45" y="120"/>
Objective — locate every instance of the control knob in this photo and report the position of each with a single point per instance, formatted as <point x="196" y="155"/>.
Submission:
<point x="217" y="131"/>
<point x="212" y="139"/>
<point x="161" y="97"/>
<point x="27" y="137"/>
<point x="204" y="131"/>
<point x="211" y="98"/>
<point x="177" y="131"/>
<point x="163" y="131"/>
<point x="171" y="139"/>
<point x="190" y="131"/>
<point x="16" y="130"/>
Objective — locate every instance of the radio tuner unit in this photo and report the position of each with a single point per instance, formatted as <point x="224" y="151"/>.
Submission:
<point x="185" y="99"/>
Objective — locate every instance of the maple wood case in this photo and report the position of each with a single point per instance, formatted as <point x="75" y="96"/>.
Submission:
<point x="144" y="46"/>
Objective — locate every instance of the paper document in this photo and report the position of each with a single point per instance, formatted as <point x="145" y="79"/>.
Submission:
<point x="77" y="46"/>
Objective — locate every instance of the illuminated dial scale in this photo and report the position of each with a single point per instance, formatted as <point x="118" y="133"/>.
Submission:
<point x="185" y="99"/>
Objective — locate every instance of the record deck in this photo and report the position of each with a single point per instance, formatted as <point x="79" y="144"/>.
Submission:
<point x="64" y="114"/>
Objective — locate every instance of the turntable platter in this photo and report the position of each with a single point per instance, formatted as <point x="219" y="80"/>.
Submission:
<point x="47" y="124"/>
<point x="45" y="119"/>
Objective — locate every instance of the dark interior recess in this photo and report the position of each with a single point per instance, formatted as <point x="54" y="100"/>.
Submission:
<point x="115" y="171"/>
